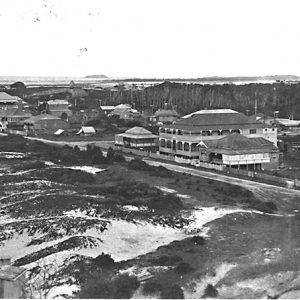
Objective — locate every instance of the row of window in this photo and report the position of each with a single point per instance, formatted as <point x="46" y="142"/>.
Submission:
<point x="179" y="146"/>
<point x="203" y="133"/>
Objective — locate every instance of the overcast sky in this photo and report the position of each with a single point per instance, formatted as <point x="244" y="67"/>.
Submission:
<point x="150" y="38"/>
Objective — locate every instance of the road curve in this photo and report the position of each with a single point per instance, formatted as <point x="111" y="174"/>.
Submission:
<point x="262" y="190"/>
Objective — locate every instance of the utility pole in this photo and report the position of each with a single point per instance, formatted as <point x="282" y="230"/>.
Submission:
<point x="255" y="107"/>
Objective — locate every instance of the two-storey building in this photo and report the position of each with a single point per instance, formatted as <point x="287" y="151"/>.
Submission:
<point x="182" y="138"/>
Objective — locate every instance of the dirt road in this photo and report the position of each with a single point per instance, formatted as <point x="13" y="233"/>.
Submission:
<point x="261" y="190"/>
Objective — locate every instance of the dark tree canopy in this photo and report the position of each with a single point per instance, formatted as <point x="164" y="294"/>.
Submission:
<point x="19" y="85"/>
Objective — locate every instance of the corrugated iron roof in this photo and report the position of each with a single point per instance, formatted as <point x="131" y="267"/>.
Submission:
<point x="58" y="101"/>
<point x="217" y="121"/>
<point x="166" y="112"/>
<point x="236" y="143"/>
<point x="138" y="133"/>
<point x="6" y="97"/>
<point x="210" y="111"/>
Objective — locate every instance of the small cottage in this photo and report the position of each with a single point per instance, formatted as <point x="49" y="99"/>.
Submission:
<point x="136" y="137"/>
<point x="86" y="131"/>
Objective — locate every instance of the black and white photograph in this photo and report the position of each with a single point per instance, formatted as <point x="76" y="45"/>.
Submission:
<point x="150" y="149"/>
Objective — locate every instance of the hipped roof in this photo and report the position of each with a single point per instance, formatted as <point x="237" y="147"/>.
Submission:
<point x="236" y="143"/>
<point x="138" y="133"/>
<point x="214" y="120"/>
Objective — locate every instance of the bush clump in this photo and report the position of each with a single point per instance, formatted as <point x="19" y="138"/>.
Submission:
<point x="101" y="286"/>
<point x="69" y="176"/>
<point x="152" y="287"/>
<point x="104" y="261"/>
<point x="184" y="268"/>
<point x="198" y="240"/>
<point x="166" y="260"/>
<point x="168" y="201"/>
<point x="30" y="165"/>
<point x="210" y="292"/>
<point x="160" y="171"/>
<point x="172" y="292"/>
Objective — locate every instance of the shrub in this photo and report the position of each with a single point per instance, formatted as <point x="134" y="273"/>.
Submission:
<point x="168" y="201"/>
<point x="98" y="158"/>
<point x="172" y="292"/>
<point x="184" y="268"/>
<point x="266" y="207"/>
<point x="29" y="165"/>
<point x="125" y="286"/>
<point x="210" y="292"/>
<point x="101" y="286"/>
<point x="104" y="261"/>
<point x="152" y="287"/>
<point x="198" y="240"/>
<point x="166" y="260"/>
<point x="119" y="157"/>
<point x="69" y="176"/>
<point x="110" y="154"/>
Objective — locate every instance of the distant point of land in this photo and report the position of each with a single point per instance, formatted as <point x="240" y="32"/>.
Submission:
<point x="96" y="76"/>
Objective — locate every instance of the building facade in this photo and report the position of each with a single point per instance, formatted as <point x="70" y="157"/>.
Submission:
<point x="13" y="110"/>
<point x="137" y="137"/>
<point x="164" y="116"/>
<point x="236" y="150"/>
<point x="44" y="123"/>
<point x="182" y="138"/>
<point x="59" y="108"/>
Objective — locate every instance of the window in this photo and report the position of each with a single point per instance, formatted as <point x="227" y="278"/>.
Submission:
<point x="252" y="131"/>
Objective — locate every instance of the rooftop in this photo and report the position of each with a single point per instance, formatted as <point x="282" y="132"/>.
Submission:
<point x="166" y="112"/>
<point x="216" y="120"/>
<point x="210" y="111"/>
<point x="58" y="101"/>
<point x="6" y="97"/>
<point x="138" y="133"/>
<point x="287" y="122"/>
<point x="236" y="143"/>
<point x="86" y="129"/>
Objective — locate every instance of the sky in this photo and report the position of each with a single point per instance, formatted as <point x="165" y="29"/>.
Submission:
<point x="149" y="38"/>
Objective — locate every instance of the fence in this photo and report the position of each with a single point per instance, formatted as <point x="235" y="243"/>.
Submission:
<point x="221" y="168"/>
<point x="19" y="132"/>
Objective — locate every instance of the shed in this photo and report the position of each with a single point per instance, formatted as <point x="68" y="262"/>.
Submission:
<point x="86" y="131"/>
<point x="59" y="132"/>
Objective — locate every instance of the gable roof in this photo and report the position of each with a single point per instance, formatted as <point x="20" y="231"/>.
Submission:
<point x="86" y="129"/>
<point x="166" y="112"/>
<point x="6" y="97"/>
